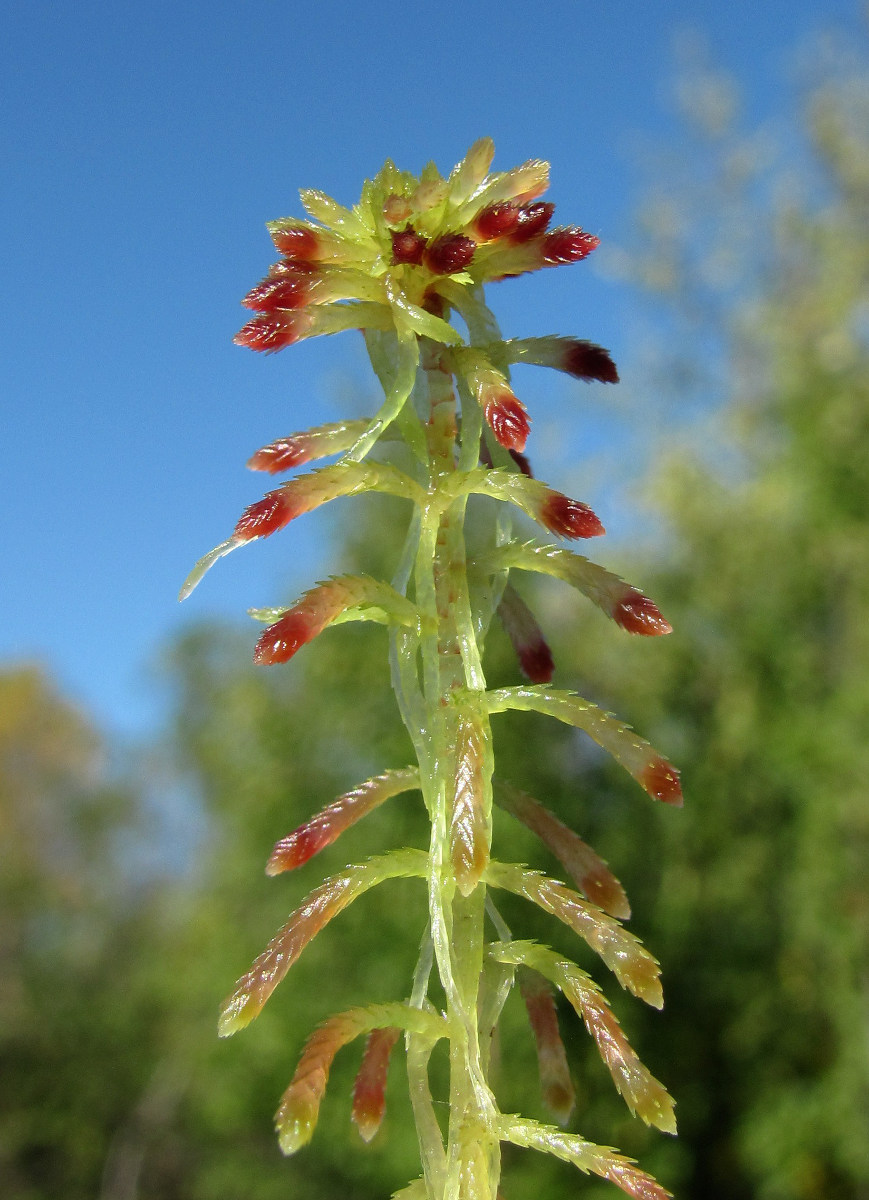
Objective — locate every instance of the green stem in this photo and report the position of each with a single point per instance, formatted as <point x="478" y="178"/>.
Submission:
<point x="452" y="682"/>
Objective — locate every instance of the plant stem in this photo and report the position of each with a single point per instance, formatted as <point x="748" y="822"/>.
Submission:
<point x="453" y="685"/>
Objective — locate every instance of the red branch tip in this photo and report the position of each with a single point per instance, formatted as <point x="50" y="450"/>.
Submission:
<point x="408" y="246"/>
<point x="568" y="245"/>
<point x="369" y="1090"/>
<point x="586" y="361"/>
<point x="508" y="420"/>
<point x="537" y="663"/>
<point x="570" y="518"/>
<point x="496" y="220"/>
<point x="295" y="849"/>
<point x="280" y="641"/>
<point x="638" y="614"/>
<point x="280" y="456"/>
<point x="661" y="780"/>
<point x="298" y="245"/>
<point x="449" y="254"/>
<point x="533" y="219"/>
<point x="287" y="290"/>
<point x="270" y="332"/>
<point x="265" y="516"/>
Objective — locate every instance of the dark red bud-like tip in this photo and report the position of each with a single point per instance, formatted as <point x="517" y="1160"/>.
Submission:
<point x="568" y="245"/>
<point x="282" y="291"/>
<point x="532" y="219"/>
<point x="570" y="518"/>
<point x="638" y="614"/>
<point x="295" y="850"/>
<point x="369" y="1090"/>
<point x="408" y="246"/>
<point x="297" y="243"/>
<point x="661" y="780"/>
<point x="495" y="221"/>
<point x="279" y="456"/>
<point x="268" y="333"/>
<point x="537" y="663"/>
<point x="586" y="361"/>
<point x="449" y="254"/>
<point x="264" y="517"/>
<point x="280" y="641"/>
<point x="508" y="420"/>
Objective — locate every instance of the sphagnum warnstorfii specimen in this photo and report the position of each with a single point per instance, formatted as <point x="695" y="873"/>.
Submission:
<point x="412" y="253"/>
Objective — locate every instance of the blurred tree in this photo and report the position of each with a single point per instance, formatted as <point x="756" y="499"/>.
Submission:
<point x="762" y="695"/>
<point x="64" y="902"/>
<point x="263" y="751"/>
<point x="114" y="1083"/>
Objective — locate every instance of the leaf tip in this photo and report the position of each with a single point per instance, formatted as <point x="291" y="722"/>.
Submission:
<point x="661" y="780"/>
<point x="508" y="419"/>
<point x="206" y="563"/>
<point x="636" y="613"/>
<point x="570" y="518"/>
<point x="264" y="517"/>
<point x="280" y="641"/>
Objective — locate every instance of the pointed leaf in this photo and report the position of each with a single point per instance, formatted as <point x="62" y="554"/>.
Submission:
<point x="300" y="448"/>
<point x="300" y="1104"/>
<point x="413" y="1191"/>
<point x="496" y="984"/>
<point x="557" y="512"/>
<point x="587" y="870"/>
<point x="321" y="606"/>
<point x="633" y="966"/>
<point x="254" y="988"/>
<point x="556" y="1085"/>
<point x="330" y="822"/>
<point x="467" y="175"/>
<point x="416" y="320"/>
<point x="470" y="814"/>
<point x="334" y="215"/>
<point x="276" y="509"/>
<point x="653" y="773"/>
<point x="369" y="1090"/>
<point x="520" y="625"/>
<point x="642" y="1093"/>
<point x="581" y="359"/>
<point x="522" y="183"/>
<point x="628" y="607"/>
<point x="599" y="1160"/>
<point x="470" y="303"/>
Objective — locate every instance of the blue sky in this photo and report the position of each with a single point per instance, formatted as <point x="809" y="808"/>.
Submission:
<point x="144" y="147"/>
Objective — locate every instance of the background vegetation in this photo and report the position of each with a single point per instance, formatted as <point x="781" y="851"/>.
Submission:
<point x="755" y="897"/>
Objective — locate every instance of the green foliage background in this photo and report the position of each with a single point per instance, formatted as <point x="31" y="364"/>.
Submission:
<point x="755" y="897"/>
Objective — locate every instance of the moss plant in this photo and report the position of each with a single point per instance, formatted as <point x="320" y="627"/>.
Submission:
<point x="411" y="255"/>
